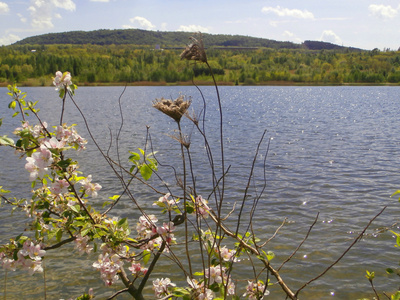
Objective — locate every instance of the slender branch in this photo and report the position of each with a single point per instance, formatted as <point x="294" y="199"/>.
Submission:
<point x="118" y="293"/>
<point x="63" y="104"/>
<point x="151" y="267"/>
<point x="302" y="242"/>
<point x="185" y="199"/>
<point x="343" y="254"/>
<point x="248" y="182"/>
<point x="58" y="245"/>
<point x="373" y="288"/>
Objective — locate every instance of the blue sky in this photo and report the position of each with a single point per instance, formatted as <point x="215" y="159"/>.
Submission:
<point x="365" y="24"/>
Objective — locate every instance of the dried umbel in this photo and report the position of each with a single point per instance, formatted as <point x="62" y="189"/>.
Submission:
<point x="173" y="108"/>
<point x="195" y="50"/>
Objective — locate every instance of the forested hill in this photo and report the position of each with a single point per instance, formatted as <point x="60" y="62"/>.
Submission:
<point x="166" y="39"/>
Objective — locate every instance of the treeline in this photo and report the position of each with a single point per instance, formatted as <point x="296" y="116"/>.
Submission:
<point x="165" y="39"/>
<point x="112" y="64"/>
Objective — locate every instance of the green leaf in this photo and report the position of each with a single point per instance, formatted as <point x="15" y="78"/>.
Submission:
<point x="370" y="275"/>
<point x="141" y="151"/>
<point x="389" y="271"/>
<point x="114" y="198"/>
<point x="146" y="256"/>
<point x="135" y="156"/>
<point x="122" y="222"/>
<point x="270" y="255"/>
<point x="6" y="141"/>
<point x="75" y="208"/>
<point x="198" y="274"/>
<point x="85" y="231"/>
<point x="12" y="104"/>
<point x="146" y="172"/>
<point x="53" y="233"/>
<point x="180" y="292"/>
<point x="62" y="93"/>
<point x="64" y="163"/>
<point x="396" y="296"/>
<point x="59" y="235"/>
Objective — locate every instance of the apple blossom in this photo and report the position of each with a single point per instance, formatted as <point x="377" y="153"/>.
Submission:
<point x="62" y="80"/>
<point x="81" y="244"/>
<point x="89" y="187"/>
<point x="199" y="292"/>
<point x="255" y="291"/>
<point x="161" y="287"/>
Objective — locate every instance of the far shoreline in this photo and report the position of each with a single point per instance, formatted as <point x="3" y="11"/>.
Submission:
<point x="35" y="83"/>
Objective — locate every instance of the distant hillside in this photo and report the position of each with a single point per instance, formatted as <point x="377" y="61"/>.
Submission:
<point x="315" y="45"/>
<point x="164" y="39"/>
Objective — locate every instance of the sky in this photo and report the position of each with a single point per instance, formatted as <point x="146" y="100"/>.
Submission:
<point x="365" y="24"/>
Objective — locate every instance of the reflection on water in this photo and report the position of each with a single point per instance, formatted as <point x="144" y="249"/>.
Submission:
<point x="333" y="150"/>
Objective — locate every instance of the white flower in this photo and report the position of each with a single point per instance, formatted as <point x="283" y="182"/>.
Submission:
<point x="161" y="287"/>
<point x="89" y="187"/>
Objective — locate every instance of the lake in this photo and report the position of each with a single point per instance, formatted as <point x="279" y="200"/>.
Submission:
<point x="333" y="151"/>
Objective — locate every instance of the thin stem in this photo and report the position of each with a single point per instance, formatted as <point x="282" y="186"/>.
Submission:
<point x="221" y="140"/>
<point x="373" y="288"/>
<point x="44" y="280"/>
<point x="302" y="242"/>
<point x="63" y="105"/>
<point x="343" y="254"/>
<point x="184" y="200"/>
<point x="5" y="285"/>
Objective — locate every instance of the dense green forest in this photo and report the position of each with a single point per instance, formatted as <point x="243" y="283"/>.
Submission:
<point x="165" y="39"/>
<point x="35" y="64"/>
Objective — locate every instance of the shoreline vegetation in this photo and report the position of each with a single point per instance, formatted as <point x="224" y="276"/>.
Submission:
<point x="122" y="57"/>
<point x="201" y="83"/>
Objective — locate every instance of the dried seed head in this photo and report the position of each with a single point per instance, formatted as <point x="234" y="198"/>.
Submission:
<point x="195" y="50"/>
<point x="173" y="108"/>
<point x="181" y="138"/>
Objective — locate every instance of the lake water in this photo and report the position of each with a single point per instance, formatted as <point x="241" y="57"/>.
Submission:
<point x="333" y="151"/>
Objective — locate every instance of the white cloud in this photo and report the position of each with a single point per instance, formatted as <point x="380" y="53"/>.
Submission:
<point x="164" y="26"/>
<point x="288" y="33"/>
<point x="99" y="0"/>
<point x="42" y="11"/>
<point x="9" y="39"/>
<point x="382" y="11"/>
<point x="193" y="28"/>
<point x="286" y="12"/>
<point x="140" y="22"/>
<point x="22" y="18"/>
<point x="64" y="4"/>
<point x="331" y="37"/>
<point x="4" y="8"/>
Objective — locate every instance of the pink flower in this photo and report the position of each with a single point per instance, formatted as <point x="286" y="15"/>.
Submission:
<point x="81" y="244"/>
<point x="165" y="232"/>
<point x="37" y="165"/>
<point x="90" y="188"/>
<point x="59" y="186"/>
<point x="255" y="291"/>
<point x="62" y="80"/>
<point x="145" y="226"/>
<point x="33" y="251"/>
<point x="198" y="290"/>
<point x="227" y="254"/>
<point x="201" y="206"/>
<point x="214" y="274"/>
<point x="108" y="267"/>
<point x="53" y="143"/>
<point x="137" y="269"/>
<point x="161" y="287"/>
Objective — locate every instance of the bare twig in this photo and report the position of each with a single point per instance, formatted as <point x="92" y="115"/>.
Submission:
<point x="302" y="242"/>
<point x="343" y="254"/>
